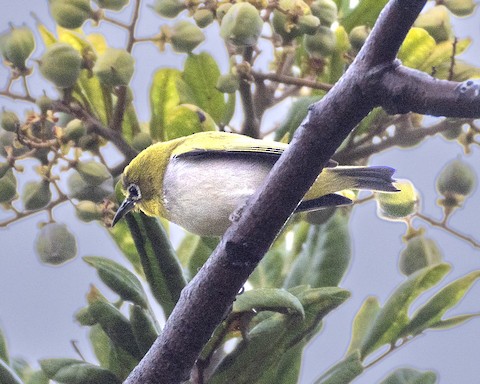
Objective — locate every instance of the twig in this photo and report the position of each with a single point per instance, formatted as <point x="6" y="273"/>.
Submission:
<point x="284" y="79"/>
<point x="251" y="125"/>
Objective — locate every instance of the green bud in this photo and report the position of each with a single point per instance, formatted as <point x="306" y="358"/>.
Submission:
<point x="63" y="118"/>
<point x="320" y="45"/>
<point x="308" y="24"/>
<point x="93" y="173"/>
<point x="114" y="67"/>
<point x="169" y="8"/>
<point x="8" y="187"/>
<point x="455" y="128"/>
<point x="88" y="211"/>
<point x="222" y="11"/>
<point x="114" y="5"/>
<point x="84" y="317"/>
<point x="186" y="36"/>
<point x="9" y="121"/>
<point x="55" y="244"/>
<point x="203" y="17"/>
<point x="61" y="64"/>
<point x="36" y="195"/>
<point x="9" y="139"/>
<point x="456" y="178"/>
<point x="398" y="205"/>
<point x="70" y="14"/>
<point x="141" y="141"/>
<point x="436" y="21"/>
<point x="241" y="25"/>
<point x="420" y="252"/>
<point x="460" y="7"/>
<point x="228" y="83"/>
<point x="74" y="130"/>
<point x="4" y="168"/>
<point x="79" y="189"/>
<point x="325" y="10"/>
<point x="44" y="103"/>
<point x="18" y="46"/>
<point x="89" y="143"/>
<point x="358" y="36"/>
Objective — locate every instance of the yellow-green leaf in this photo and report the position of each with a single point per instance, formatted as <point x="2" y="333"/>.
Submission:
<point x="344" y="371"/>
<point x="365" y="13"/>
<point x="416" y="48"/>
<point x="410" y="376"/>
<point x="362" y="323"/>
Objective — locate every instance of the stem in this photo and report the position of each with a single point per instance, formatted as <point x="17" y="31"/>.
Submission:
<point x="284" y="79"/>
<point x="251" y="124"/>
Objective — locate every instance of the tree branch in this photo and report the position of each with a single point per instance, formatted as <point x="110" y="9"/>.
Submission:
<point x="204" y="302"/>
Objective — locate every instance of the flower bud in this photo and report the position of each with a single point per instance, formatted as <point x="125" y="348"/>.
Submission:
<point x="79" y="189"/>
<point x="325" y="10"/>
<point x="61" y="64"/>
<point x="169" y="8"/>
<point x="9" y="121"/>
<point x="203" y="17"/>
<point x="44" y="103"/>
<point x="455" y="128"/>
<point x="8" y="187"/>
<point x="93" y="173"/>
<point x="420" y="252"/>
<point x="241" y="25"/>
<point x="114" y="5"/>
<point x="358" y="35"/>
<point x="88" y="211"/>
<point x="18" y="45"/>
<point x="114" y="67"/>
<point x="89" y="142"/>
<point x="9" y="139"/>
<point x="320" y="45"/>
<point x="456" y="178"/>
<point x="398" y="205"/>
<point x="36" y="195"/>
<point x="222" y="11"/>
<point x="70" y="14"/>
<point x="460" y="7"/>
<point x="228" y="83"/>
<point x="436" y="21"/>
<point x="55" y="244"/>
<point x="186" y="36"/>
<point x="74" y="130"/>
<point x="308" y="24"/>
<point x="141" y="141"/>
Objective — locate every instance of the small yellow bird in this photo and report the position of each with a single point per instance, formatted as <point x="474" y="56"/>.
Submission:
<point x="200" y="181"/>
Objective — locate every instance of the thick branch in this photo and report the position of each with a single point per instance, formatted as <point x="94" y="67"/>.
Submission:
<point x="204" y="302"/>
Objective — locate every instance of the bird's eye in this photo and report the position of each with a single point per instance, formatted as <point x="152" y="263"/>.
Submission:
<point x="134" y="192"/>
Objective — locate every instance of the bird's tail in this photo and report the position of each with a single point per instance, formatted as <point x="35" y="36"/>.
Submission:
<point x="375" y="178"/>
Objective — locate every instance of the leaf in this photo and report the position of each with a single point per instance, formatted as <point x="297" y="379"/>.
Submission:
<point x="365" y="13"/>
<point x="268" y="299"/>
<point x="38" y="377"/>
<point x="432" y="312"/>
<point x="416" y="48"/>
<point x="119" y="279"/>
<point x="410" y="376"/>
<point x="123" y="238"/>
<point x="325" y="256"/>
<point x="8" y="375"/>
<point x="71" y="371"/>
<point x="98" y="98"/>
<point x="362" y="323"/>
<point x="162" y="269"/>
<point x="164" y="97"/>
<point x="47" y="36"/>
<point x="453" y="321"/>
<point x="344" y="371"/>
<point x="442" y="53"/>
<point x="268" y="273"/>
<point x="187" y="119"/>
<point x="393" y="317"/>
<point x="3" y="348"/>
<point x="130" y="124"/>
<point x="201" y="74"/>
<point x="194" y="250"/>
<point x="143" y="328"/>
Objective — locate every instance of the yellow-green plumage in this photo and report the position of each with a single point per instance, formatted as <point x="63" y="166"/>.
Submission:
<point x="198" y="181"/>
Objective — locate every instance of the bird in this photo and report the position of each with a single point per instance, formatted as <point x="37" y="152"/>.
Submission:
<point x="203" y="180"/>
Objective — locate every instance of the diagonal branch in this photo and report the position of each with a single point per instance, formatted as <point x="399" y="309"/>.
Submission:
<point x="204" y="302"/>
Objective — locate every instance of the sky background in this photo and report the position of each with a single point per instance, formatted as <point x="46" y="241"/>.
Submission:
<point x="37" y="302"/>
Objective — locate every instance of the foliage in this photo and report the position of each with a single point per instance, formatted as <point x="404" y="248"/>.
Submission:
<point x="297" y="283"/>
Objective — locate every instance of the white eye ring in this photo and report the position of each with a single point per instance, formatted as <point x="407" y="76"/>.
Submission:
<point x="134" y="192"/>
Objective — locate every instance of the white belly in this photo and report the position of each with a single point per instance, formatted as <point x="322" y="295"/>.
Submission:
<point x="201" y="194"/>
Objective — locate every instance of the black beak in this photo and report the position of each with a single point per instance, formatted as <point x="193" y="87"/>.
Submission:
<point x="126" y="206"/>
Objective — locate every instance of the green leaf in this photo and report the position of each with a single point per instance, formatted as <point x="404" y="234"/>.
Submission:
<point x="432" y="312"/>
<point x="365" y="13"/>
<point x="325" y="256"/>
<point x="8" y="375"/>
<point x="344" y="371"/>
<point x="461" y="71"/>
<point x="162" y="269"/>
<point x="71" y="371"/>
<point x="416" y="48"/>
<point x="3" y="348"/>
<point x="143" y="328"/>
<point x="119" y="279"/>
<point x="269" y="273"/>
<point x="38" y="377"/>
<point x="164" y="97"/>
<point x="393" y="317"/>
<point x="410" y="376"/>
<point x="187" y="119"/>
<point x="130" y="124"/>
<point x="97" y="96"/>
<point x="194" y="250"/>
<point x="268" y="299"/>
<point x="200" y="75"/>
<point x="124" y="240"/>
<point x="453" y="321"/>
<point x="229" y="109"/>
<point x="442" y="53"/>
<point x="362" y="323"/>
<point x="116" y="326"/>
<point x="376" y="117"/>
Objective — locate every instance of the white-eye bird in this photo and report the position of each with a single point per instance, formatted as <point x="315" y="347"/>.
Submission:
<point x="199" y="181"/>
